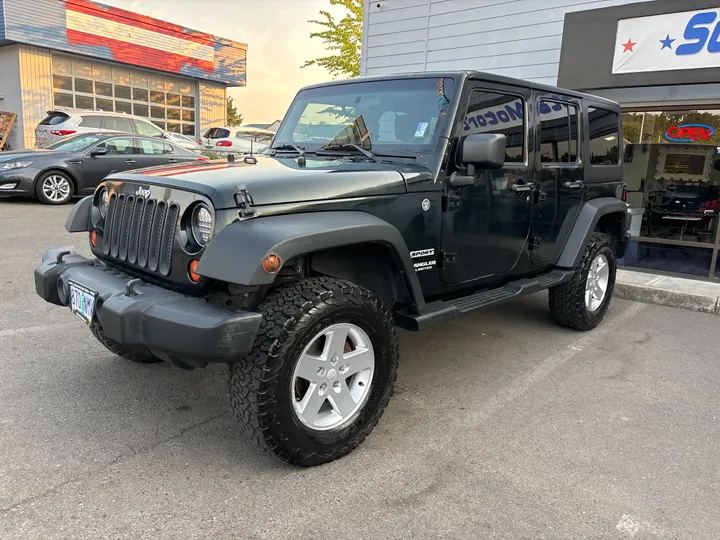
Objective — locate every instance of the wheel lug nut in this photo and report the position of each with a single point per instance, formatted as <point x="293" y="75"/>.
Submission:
<point x="333" y="360"/>
<point x="321" y="371"/>
<point x="336" y="386"/>
<point x="323" y="386"/>
<point x="344" y="368"/>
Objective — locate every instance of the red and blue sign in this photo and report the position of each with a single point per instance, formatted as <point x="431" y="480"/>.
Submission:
<point x="688" y="133"/>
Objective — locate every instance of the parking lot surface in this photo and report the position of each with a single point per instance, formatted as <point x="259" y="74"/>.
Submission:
<point x="503" y="426"/>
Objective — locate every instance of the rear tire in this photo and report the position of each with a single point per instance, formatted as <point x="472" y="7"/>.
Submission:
<point x="321" y="341"/>
<point x="121" y="350"/>
<point x="579" y="304"/>
<point x="54" y="187"/>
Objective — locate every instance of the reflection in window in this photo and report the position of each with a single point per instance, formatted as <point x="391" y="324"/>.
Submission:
<point x="604" y="128"/>
<point x="490" y="112"/>
<point x="558" y="132"/>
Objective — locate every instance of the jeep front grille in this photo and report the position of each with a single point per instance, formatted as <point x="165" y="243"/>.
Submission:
<point x="140" y="232"/>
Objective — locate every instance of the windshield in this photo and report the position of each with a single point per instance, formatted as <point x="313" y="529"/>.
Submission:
<point x="77" y="143"/>
<point x="392" y="116"/>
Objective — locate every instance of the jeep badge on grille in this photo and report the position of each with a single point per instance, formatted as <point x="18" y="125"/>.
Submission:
<point x="141" y="192"/>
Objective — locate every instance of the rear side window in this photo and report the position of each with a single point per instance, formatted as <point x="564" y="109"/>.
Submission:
<point x="491" y="112"/>
<point x="115" y="123"/>
<point x="94" y="122"/>
<point x="558" y="132"/>
<point x="604" y="129"/>
<point x="154" y="147"/>
<point x="53" y="119"/>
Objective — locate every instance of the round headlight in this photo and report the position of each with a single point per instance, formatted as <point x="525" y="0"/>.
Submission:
<point x="202" y="224"/>
<point x="103" y="202"/>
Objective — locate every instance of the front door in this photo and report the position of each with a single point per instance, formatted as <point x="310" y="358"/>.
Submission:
<point x="120" y="157"/>
<point x="486" y="225"/>
<point x="559" y="174"/>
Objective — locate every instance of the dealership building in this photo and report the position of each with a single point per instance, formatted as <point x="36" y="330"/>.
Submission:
<point x="659" y="59"/>
<point x="81" y="54"/>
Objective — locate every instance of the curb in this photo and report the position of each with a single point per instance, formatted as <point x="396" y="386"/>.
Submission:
<point x="680" y="293"/>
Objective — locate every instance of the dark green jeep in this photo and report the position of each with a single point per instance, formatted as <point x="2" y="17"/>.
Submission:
<point x="393" y="201"/>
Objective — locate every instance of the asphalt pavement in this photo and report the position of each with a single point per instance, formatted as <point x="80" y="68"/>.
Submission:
<point x="503" y="426"/>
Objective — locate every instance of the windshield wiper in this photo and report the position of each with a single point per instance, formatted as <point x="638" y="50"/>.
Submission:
<point x="288" y="147"/>
<point x="349" y="146"/>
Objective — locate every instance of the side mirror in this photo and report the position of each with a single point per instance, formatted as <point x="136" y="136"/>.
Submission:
<point x="101" y="151"/>
<point x="484" y="150"/>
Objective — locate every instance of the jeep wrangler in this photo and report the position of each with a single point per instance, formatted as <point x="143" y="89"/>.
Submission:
<point x="383" y="202"/>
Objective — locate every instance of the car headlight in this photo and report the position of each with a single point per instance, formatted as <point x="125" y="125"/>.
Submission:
<point x="14" y="165"/>
<point x="103" y="202"/>
<point x="201" y="224"/>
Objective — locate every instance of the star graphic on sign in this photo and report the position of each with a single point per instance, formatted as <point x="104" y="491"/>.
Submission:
<point x="629" y="45"/>
<point x="666" y="43"/>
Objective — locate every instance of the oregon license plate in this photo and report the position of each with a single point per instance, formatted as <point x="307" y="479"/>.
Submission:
<point x="82" y="301"/>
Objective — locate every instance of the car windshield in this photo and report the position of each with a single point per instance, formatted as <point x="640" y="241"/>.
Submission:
<point x="76" y="144"/>
<point x="395" y="116"/>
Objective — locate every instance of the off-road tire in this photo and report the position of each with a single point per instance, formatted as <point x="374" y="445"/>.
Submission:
<point x="259" y="384"/>
<point x="567" y="301"/>
<point x="121" y="350"/>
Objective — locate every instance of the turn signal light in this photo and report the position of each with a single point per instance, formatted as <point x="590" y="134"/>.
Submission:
<point x="194" y="276"/>
<point x="272" y="263"/>
<point x="93" y="238"/>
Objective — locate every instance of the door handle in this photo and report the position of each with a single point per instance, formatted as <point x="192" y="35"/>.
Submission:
<point x="519" y="188"/>
<point x="129" y="161"/>
<point x="172" y="160"/>
<point x="573" y="185"/>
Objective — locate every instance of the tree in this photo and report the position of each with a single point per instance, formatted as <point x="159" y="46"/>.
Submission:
<point x="233" y="117"/>
<point x="344" y="37"/>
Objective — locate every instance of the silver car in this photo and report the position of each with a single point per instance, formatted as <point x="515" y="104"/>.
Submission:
<point x="63" y="122"/>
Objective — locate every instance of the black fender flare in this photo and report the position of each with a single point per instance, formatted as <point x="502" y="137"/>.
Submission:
<point x="585" y="224"/>
<point x="79" y="218"/>
<point x="235" y="253"/>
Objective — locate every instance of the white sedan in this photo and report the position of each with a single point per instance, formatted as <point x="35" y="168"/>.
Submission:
<point x="237" y="139"/>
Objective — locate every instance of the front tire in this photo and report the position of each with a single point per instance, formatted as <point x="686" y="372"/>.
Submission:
<point x="321" y="372"/>
<point x="54" y="187"/>
<point x="582" y="302"/>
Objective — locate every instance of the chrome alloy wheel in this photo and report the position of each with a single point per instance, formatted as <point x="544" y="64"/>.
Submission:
<point x="56" y="188"/>
<point x="332" y="378"/>
<point x="597" y="283"/>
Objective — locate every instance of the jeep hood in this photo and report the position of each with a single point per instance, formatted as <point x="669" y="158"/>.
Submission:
<point x="274" y="180"/>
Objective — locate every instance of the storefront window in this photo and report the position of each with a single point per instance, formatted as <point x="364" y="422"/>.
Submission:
<point x="672" y="173"/>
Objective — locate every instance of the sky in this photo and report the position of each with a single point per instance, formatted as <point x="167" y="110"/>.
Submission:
<point x="276" y="32"/>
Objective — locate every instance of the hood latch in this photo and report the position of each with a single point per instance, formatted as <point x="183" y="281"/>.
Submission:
<point x="244" y="201"/>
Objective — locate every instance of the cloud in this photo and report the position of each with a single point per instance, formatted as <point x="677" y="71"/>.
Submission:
<point x="278" y="44"/>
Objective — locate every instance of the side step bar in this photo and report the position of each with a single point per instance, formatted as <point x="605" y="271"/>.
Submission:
<point x="438" y="312"/>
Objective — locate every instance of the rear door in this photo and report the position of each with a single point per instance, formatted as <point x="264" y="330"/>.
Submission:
<point x="559" y="173"/>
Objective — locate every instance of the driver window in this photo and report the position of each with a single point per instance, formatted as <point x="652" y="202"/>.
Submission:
<point x="117" y="146"/>
<point x="492" y="112"/>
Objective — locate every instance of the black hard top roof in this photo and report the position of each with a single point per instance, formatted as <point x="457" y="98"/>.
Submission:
<point x="473" y="74"/>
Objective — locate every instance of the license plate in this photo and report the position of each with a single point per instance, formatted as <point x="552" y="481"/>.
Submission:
<point x="82" y="302"/>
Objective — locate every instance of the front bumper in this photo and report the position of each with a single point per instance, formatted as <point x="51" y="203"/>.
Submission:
<point x="182" y="330"/>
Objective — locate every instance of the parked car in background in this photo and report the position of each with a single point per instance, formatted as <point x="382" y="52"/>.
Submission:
<point x="237" y="139"/>
<point x="76" y="165"/>
<point x="60" y="123"/>
<point x="184" y="141"/>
